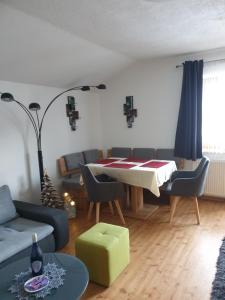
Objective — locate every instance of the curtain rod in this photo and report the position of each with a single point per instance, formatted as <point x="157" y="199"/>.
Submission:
<point x="206" y="62"/>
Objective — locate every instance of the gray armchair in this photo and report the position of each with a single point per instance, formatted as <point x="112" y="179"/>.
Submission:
<point x="99" y="192"/>
<point x="187" y="184"/>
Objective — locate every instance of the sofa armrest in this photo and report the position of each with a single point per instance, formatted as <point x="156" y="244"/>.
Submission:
<point x="55" y="217"/>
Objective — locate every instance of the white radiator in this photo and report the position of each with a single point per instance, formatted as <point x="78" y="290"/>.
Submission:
<point x="215" y="182"/>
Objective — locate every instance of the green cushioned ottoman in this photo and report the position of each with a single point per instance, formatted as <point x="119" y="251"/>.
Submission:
<point x="105" y="251"/>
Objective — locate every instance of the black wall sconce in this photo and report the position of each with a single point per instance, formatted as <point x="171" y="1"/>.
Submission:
<point x="129" y="111"/>
<point x="71" y="112"/>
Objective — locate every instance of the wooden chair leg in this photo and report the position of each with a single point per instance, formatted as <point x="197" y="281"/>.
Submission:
<point x="173" y="204"/>
<point x="97" y="211"/>
<point x="119" y="211"/>
<point x="111" y="207"/>
<point x="197" y="210"/>
<point x="91" y="205"/>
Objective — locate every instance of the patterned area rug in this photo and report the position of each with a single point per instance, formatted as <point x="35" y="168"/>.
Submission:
<point x="218" y="286"/>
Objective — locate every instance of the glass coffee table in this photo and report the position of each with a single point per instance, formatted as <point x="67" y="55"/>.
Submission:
<point x="75" y="280"/>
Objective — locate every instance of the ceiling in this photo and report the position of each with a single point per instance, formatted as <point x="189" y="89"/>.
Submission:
<point x="59" y="43"/>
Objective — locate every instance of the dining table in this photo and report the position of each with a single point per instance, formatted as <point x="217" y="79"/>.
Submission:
<point x="137" y="174"/>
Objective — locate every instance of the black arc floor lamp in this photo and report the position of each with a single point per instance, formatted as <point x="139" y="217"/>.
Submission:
<point x="37" y="122"/>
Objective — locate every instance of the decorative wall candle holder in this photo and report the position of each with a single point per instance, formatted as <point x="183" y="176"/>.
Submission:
<point x="71" y="112"/>
<point x="129" y="111"/>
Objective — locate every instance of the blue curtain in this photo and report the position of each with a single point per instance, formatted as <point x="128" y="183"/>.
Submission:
<point x="188" y="142"/>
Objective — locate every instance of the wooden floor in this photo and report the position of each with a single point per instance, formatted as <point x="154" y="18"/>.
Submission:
<point x="167" y="261"/>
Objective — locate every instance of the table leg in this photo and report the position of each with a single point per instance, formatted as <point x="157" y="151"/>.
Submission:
<point x="127" y="195"/>
<point x="138" y="209"/>
<point x="136" y="198"/>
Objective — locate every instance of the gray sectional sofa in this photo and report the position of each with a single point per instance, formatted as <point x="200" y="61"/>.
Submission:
<point x="18" y="220"/>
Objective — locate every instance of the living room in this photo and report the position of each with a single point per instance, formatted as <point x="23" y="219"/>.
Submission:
<point x="136" y="48"/>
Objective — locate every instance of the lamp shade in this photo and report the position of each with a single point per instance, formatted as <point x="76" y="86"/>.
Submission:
<point x="34" y="106"/>
<point x="101" y="86"/>
<point x="7" y="97"/>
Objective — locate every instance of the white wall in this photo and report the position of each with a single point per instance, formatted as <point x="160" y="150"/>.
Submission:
<point x="156" y="87"/>
<point x="18" y="157"/>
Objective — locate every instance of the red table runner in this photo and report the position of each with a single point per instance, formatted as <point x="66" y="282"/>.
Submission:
<point x="106" y="161"/>
<point x="138" y="160"/>
<point x="154" y="164"/>
<point x="121" y="166"/>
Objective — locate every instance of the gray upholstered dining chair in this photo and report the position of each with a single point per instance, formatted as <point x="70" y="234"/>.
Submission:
<point x="187" y="184"/>
<point x="144" y="153"/>
<point x="121" y="152"/>
<point x="99" y="192"/>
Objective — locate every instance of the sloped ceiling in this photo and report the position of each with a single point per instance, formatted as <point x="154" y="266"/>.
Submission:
<point x="58" y="43"/>
<point x="34" y="51"/>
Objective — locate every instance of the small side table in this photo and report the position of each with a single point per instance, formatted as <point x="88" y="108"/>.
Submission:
<point x="75" y="280"/>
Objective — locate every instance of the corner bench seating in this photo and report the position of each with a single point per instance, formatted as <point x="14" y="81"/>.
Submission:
<point x="69" y="169"/>
<point x="121" y="152"/>
<point x="145" y="153"/>
<point x="19" y="220"/>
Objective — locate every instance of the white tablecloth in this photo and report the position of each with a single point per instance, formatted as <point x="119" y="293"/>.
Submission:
<point x="149" y="178"/>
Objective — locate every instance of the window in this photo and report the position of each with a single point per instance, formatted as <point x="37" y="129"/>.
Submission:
<point x="213" y="108"/>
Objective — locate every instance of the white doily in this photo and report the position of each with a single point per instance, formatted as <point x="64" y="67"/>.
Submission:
<point x="54" y="273"/>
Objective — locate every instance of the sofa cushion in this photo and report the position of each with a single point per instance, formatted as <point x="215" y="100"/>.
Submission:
<point x="7" y="208"/>
<point x="91" y="156"/>
<point x="73" y="160"/>
<point x="16" y="235"/>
